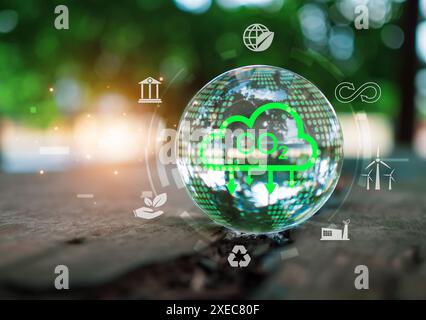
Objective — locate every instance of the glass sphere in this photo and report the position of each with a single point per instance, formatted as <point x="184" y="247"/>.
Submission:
<point x="260" y="149"/>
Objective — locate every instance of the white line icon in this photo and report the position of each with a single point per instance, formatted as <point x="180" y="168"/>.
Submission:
<point x="369" y="92"/>
<point x="391" y="178"/>
<point x="257" y="37"/>
<point x="368" y="175"/>
<point x="378" y="162"/>
<point x="148" y="212"/>
<point x="331" y="233"/>
<point x="239" y="249"/>
<point x="150" y="82"/>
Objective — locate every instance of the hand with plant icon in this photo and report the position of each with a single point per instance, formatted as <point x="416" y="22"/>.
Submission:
<point x="149" y="212"/>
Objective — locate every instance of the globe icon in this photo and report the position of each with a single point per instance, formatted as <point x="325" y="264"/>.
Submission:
<point x="257" y="37"/>
<point x="259" y="149"/>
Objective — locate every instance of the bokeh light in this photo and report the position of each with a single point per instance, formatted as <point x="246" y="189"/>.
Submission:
<point x="421" y="41"/>
<point x="422" y="4"/>
<point x="194" y="6"/>
<point x="421" y="82"/>
<point x="8" y="20"/>
<point x="392" y="36"/>
<point x="68" y="95"/>
<point x="313" y="22"/>
<point x="341" y="42"/>
<point x="268" y="5"/>
<point x="379" y="11"/>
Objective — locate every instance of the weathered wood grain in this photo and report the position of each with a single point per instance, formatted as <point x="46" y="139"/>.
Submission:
<point x="43" y="224"/>
<point x="181" y="254"/>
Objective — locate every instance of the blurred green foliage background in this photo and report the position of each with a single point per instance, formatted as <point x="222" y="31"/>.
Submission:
<point x="114" y="45"/>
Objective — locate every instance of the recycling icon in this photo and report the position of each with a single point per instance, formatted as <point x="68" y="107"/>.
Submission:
<point x="239" y="249"/>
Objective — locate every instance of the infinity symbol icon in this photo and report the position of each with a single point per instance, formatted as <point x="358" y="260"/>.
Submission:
<point x="372" y="87"/>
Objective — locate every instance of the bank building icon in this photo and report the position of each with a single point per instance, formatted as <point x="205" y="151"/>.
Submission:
<point x="150" y="91"/>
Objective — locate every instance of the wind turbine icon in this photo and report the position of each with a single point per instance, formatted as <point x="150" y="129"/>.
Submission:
<point x="378" y="162"/>
<point x="368" y="178"/>
<point x="391" y="178"/>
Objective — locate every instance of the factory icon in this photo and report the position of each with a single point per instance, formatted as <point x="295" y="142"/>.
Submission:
<point x="332" y="233"/>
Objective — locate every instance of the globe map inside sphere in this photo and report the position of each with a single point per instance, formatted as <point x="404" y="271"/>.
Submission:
<point x="290" y="168"/>
<point x="252" y="33"/>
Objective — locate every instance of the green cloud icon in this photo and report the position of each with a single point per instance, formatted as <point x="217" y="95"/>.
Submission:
<point x="249" y="122"/>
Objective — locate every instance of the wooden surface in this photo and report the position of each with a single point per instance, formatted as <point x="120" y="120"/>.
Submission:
<point x="181" y="254"/>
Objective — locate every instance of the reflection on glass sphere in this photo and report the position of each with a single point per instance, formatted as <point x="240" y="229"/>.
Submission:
<point x="260" y="149"/>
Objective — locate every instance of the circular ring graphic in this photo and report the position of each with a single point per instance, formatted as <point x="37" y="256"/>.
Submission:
<point x="306" y="57"/>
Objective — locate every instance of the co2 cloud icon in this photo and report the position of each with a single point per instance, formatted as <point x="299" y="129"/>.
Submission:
<point x="211" y="163"/>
